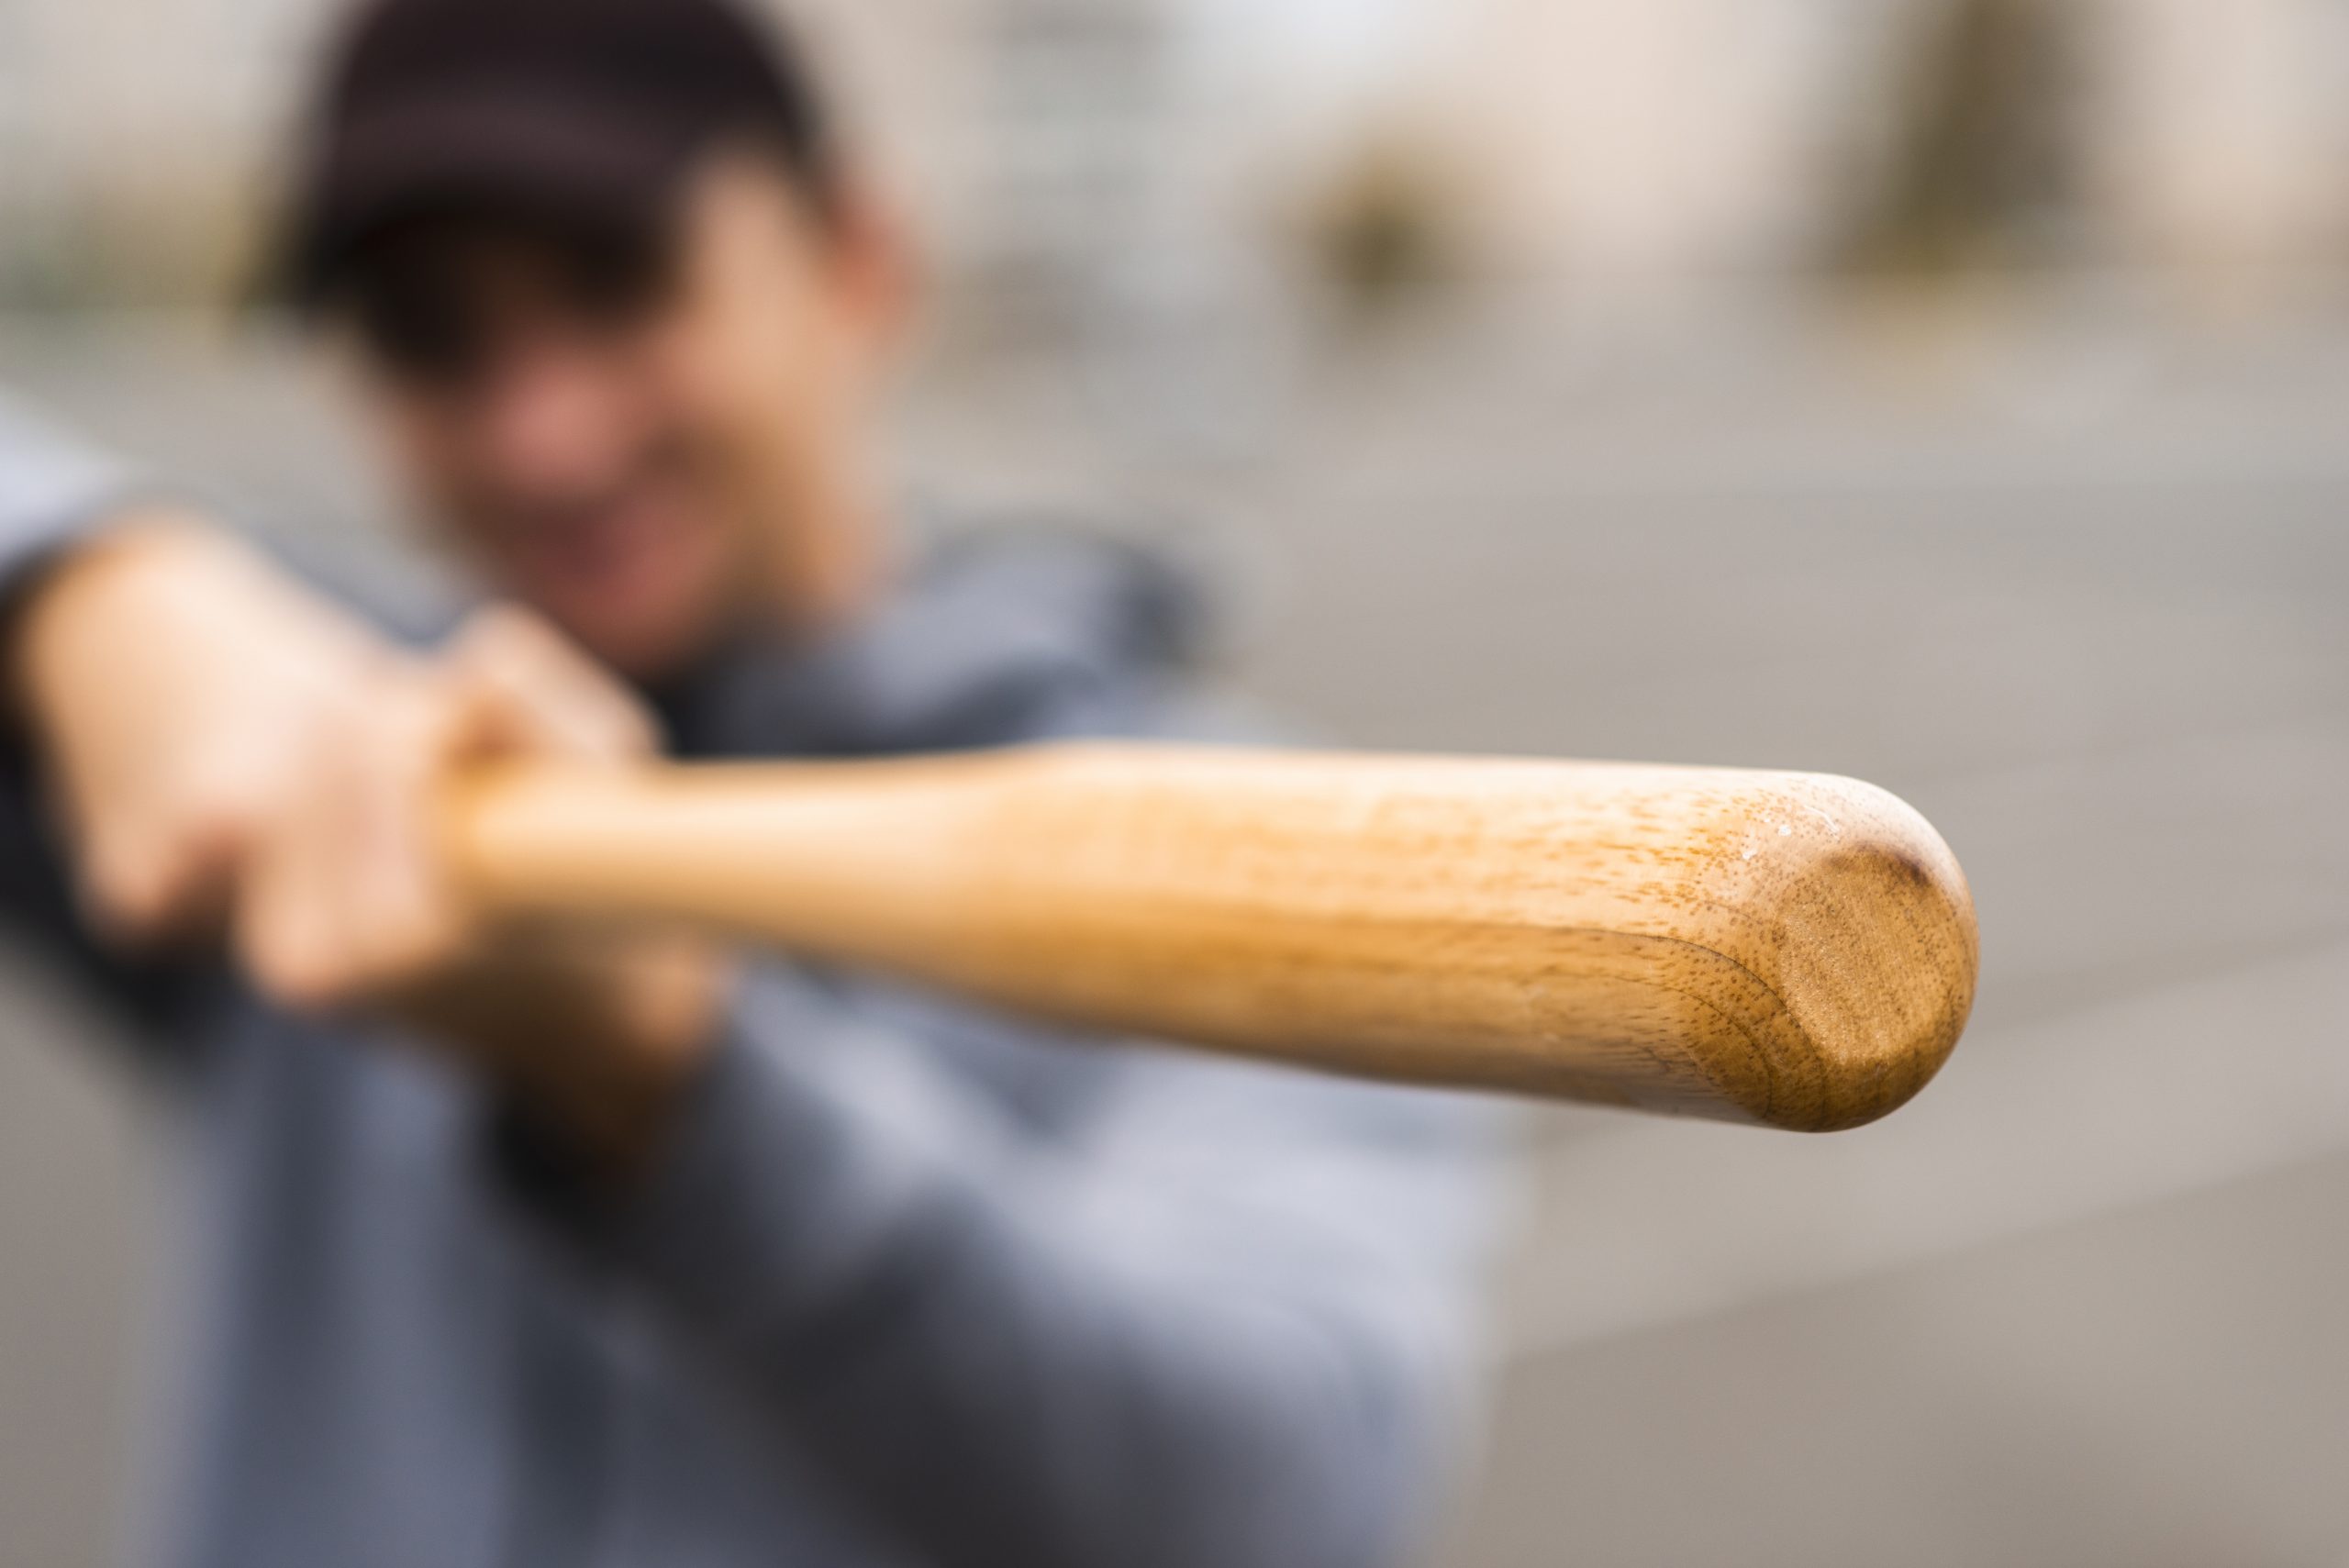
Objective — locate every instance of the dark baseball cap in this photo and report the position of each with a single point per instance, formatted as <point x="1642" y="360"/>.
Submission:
<point x="567" y="112"/>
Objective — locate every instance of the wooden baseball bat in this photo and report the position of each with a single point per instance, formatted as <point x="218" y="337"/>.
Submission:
<point x="1785" y="949"/>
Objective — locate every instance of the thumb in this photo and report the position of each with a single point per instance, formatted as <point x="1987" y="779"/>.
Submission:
<point x="526" y="689"/>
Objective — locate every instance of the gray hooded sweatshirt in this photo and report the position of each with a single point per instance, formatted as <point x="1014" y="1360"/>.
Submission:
<point x="912" y="1282"/>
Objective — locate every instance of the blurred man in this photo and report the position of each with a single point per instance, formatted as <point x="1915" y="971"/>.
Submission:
<point x="542" y="1246"/>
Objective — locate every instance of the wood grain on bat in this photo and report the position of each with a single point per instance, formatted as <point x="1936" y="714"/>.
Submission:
<point x="1785" y="949"/>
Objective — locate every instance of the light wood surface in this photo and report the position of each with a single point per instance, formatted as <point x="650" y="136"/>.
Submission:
<point x="1785" y="949"/>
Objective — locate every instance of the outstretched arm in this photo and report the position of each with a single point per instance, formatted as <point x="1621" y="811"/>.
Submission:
<point x="62" y="506"/>
<point x="211" y="759"/>
<point x="1225" y="1316"/>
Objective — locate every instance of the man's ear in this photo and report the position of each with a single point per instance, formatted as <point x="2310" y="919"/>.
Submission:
<point x="873" y="259"/>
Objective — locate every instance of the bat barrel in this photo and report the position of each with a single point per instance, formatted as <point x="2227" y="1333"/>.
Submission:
<point x="1789" y="949"/>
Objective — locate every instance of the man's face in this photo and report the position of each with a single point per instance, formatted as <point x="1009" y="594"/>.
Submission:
<point x="638" y="441"/>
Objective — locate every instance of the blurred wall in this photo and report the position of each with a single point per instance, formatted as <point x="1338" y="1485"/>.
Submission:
<point x="2225" y="133"/>
<point x="1038" y="140"/>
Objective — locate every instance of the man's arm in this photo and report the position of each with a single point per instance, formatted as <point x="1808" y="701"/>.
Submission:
<point x="241" y="767"/>
<point x="211" y="759"/>
<point x="1218" y="1314"/>
<point x="1228" y="1317"/>
<point x="58" y="498"/>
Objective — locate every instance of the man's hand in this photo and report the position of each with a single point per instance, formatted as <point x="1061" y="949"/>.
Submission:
<point x="344" y="904"/>
<point x="235" y="758"/>
<point x="171" y="681"/>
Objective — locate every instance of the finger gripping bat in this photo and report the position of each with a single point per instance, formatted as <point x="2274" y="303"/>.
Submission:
<point x="1785" y="948"/>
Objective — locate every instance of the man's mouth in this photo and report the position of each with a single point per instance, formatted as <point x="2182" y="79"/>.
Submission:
<point x="598" y="548"/>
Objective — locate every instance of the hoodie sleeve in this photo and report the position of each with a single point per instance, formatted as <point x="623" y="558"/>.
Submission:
<point x="53" y="490"/>
<point x="1229" y="1317"/>
<point x="54" y="493"/>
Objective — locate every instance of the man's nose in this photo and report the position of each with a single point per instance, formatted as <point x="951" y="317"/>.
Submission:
<point x="555" y="416"/>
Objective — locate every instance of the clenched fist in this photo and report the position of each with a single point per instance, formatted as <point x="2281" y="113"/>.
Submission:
<point x="236" y="760"/>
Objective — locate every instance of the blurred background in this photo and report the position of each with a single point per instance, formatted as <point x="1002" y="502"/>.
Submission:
<point x="1950" y="391"/>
